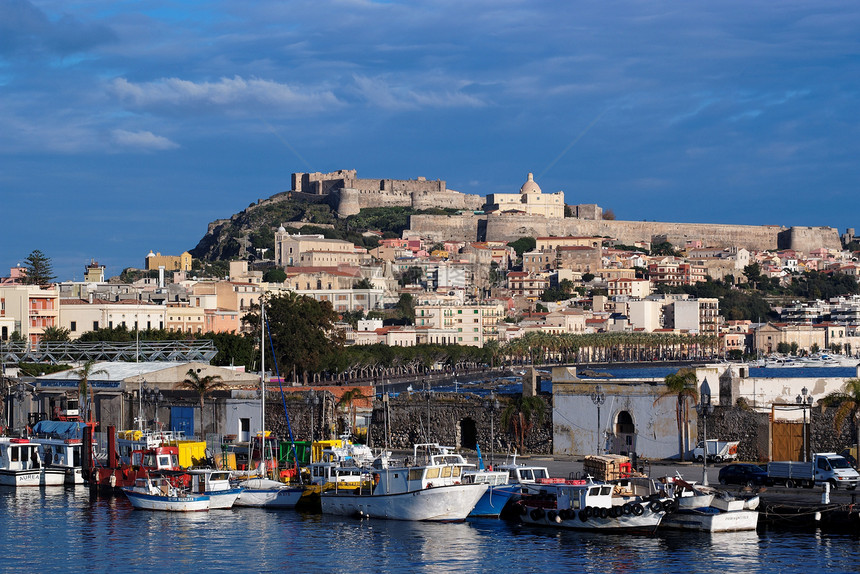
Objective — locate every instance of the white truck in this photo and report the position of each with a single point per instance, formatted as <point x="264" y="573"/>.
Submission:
<point x="824" y="467"/>
<point x="717" y="450"/>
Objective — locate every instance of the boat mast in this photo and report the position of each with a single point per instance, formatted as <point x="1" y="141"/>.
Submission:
<point x="263" y="385"/>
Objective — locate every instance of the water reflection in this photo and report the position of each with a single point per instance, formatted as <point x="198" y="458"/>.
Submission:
<point x="66" y="528"/>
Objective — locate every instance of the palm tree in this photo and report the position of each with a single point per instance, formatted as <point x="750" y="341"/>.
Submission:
<point x="84" y="373"/>
<point x="521" y="415"/>
<point x="848" y="401"/>
<point x="681" y="385"/>
<point x="203" y="386"/>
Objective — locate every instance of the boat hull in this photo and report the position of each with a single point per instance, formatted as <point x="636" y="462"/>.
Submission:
<point x="198" y="503"/>
<point x="712" y="520"/>
<point x="494" y="501"/>
<point x="223" y="499"/>
<point x="261" y="493"/>
<point x="647" y="522"/>
<point x="441" y="504"/>
<point x="33" y="477"/>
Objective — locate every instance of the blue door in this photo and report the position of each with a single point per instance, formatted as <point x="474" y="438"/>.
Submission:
<point x="182" y="419"/>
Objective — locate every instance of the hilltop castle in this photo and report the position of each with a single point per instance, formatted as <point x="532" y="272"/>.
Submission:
<point x="348" y="194"/>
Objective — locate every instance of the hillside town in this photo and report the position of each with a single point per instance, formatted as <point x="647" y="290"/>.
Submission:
<point x="412" y="289"/>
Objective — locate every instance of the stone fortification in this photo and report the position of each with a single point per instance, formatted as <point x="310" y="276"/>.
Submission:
<point x="349" y="194"/>
<point x="512" y="227"/>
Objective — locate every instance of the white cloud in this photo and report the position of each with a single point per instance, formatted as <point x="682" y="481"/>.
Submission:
<point x="142" y="140"/>
<point x="380" y="93"/>
<point x="227" y="92"/>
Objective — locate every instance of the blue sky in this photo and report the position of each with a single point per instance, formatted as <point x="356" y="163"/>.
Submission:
<point x="127" y="126"/>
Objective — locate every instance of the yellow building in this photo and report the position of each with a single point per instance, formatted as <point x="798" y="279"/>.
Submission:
<point x="530" y="200"/>
<point x="169" y="262"/>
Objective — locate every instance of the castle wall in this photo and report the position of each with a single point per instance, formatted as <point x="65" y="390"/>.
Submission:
<point x="512" y="227"/>
<point x="447" y="227"/>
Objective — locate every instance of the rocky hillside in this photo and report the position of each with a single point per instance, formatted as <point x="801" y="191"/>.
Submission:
<point x="254" y="227"/>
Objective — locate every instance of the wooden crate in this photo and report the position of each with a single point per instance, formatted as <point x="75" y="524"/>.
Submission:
<point x="607" y="466"/>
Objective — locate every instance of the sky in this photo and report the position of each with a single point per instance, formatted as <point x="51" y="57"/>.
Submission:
<point x="127" y="126"/>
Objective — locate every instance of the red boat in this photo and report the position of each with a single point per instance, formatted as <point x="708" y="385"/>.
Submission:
<point x="113" y="474"/>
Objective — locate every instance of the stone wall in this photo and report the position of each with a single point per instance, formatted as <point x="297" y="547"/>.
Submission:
<point x="752" y="429"/>
<point x="455" y="419"/>
<point x="512" y="227"/>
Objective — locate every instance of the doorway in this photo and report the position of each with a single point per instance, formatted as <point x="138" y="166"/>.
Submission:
<point x="624" y="441"/>
<point x="468" y="434"/>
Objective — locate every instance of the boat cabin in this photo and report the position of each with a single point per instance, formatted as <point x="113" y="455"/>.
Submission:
<point x="159" y="458"/>
<point x="583" y="495"/>
<point x="19" y="454"/>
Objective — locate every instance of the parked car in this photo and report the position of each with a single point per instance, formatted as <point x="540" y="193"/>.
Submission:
<point x="743" y="473"/>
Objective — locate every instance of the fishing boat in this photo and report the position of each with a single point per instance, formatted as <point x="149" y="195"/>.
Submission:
<point x="21" y="464"/>
<point x="262" y="492"/>
<point x="593" y="506"/>
<point x="61" y="447"/>
<point x="724" y="514"/>
<point x="155" y="492"/>
<point x="216" y="484"/>
<point x="433" y="491"/>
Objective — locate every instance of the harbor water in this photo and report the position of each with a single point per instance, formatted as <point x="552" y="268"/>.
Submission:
<point x="68" y="529"/>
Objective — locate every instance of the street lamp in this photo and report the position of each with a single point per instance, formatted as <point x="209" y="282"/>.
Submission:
<point x="704" y="408"/>
<point x="805" y="401"/>
<point x="598" y="397"/>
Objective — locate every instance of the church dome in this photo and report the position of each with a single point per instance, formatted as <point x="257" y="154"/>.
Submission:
<point x="530" y="186"/>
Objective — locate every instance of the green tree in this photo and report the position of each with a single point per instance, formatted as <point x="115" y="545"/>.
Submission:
<point x="204" y="386"/>
<point x="301" y="331"/>
<point x="363" y="284"/>
<point x="521" y="415"/>
<point x="38" y="269"/>
<point x="411" y="276"/>
<point x="681" y="386"/>
<point x="55" y="334"/>
<point x="753" y="274"/>
<point x="275" y="275"/>
<point x="84" y="374"/>
<point x="848" y="402"/>
<point x="523" y="245"/>
<point x="233" y="349"/>
<point x="406" y="307"/>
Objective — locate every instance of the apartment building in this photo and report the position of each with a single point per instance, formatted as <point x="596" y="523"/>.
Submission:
<point x="475" y="324"/>
<point x="28" y="310"/>
<point x="676" y="272"/>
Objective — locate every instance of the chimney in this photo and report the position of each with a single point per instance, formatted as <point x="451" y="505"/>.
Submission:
<point x="161" y="276"/>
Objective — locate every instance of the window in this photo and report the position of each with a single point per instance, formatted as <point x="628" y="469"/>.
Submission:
<point x="73" y="326"/>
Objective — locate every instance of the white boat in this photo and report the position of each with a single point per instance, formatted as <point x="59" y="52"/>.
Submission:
<point x="216" y="484"/>
<point x="593" y="506"/>
<point x="62" y="447"/>
<point x="528" y="477"/>
<point x="21" y="464"/>
<point x="266" y="493"/>
<point x="157" y="493"/>
<point x="710" y="519"/>
<point x="434" y="491"/>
